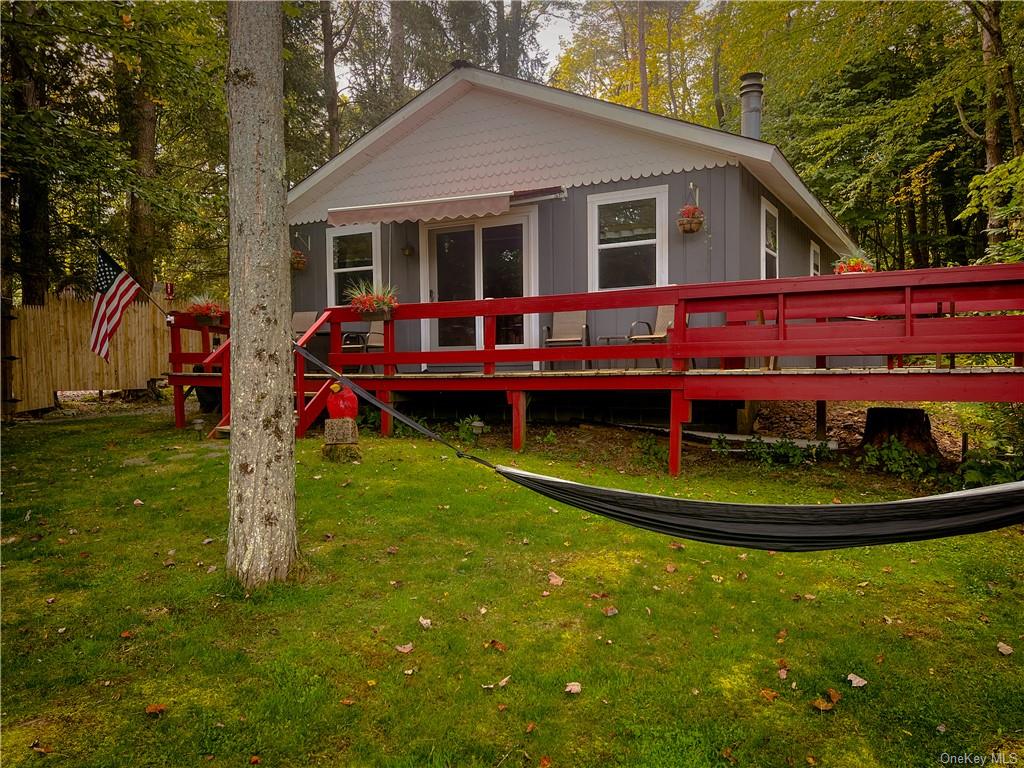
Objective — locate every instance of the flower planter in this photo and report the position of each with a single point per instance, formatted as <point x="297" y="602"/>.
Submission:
<point x="298" y="261"/>
<point x="690" y="224"/>
<point x="380" y="314"/>
<point x="209" y="319"/>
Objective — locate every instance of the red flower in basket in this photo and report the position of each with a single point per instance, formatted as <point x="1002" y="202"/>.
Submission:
<point x="690" y="219"/>
<point x="853" y="264"/>
<point x="367" y="299"/>
<point x="691" y="211"/>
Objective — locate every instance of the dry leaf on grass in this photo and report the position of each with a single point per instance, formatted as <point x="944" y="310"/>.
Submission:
<point x="407" y="648"/>
<point x="555" y="580"/>
<point x="573" y="688"/>
<point x="781" y="635"/>
<point x="1003" y="648"/>
<point x="717" y="579"/>
<point x="545" y="762"/>
<point x="496" y="645"/>
<point x="348" y="702"/>
<point x="598" y="595"/>
<point x="769" y="694"/>
<point x="676" y="545"/>
<point x="138" y="502"/>
<point x="610" y="610"/>
<point x="670" y="568"/>
<point x="40" y="748"/>
<point x="425" y="623"/>
<point x="531" y="727"/>
<point x="155" y="710"/>
<point x="856" y="680"/>
<point x="823" y="705"/>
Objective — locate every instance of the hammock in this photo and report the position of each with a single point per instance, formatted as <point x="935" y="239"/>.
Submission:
<point x="778" y="527"/>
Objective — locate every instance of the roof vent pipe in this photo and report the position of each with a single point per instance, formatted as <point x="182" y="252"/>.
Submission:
<point x="751" y="93"/>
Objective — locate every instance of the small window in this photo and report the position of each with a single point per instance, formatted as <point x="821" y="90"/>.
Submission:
<point x="769" y="240"/>
<point x="353" y="255"/>
<point x="815" y="258"/>
<point x="628" y="235"/>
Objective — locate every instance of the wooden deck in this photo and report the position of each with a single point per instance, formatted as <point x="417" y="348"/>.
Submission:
<point x="741" y="327"/>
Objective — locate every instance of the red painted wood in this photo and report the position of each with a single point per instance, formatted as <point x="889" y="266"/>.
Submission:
<point x="517" y="400"/>
<point x="679" y="414"/>
<point x="490" y="337"/>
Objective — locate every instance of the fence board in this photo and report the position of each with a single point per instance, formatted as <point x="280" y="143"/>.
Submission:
<point x="51" y="343"/>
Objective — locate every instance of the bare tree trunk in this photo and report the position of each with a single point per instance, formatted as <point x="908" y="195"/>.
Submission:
<point x="262" y="541"/>
<point x="330" y="79"/>
<point x="501" y="35"/>
<point x="716" y="85"/>
<point x="641" y="53"/>
<point x="396" y="53"/>
<point x="36" y="262"/>
<point x="917" y="256"/>
<point x="514" y="45"/>
<point x="672" y="105"/>
<point x="994" y="53"/>
<point x="901" y="251"/>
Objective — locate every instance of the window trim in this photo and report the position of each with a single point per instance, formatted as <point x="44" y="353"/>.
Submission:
<point x="343" y="231"/>
<point x="766" y="208"/>
<point x="811" y="270"/>
<point x="660" y="241"/>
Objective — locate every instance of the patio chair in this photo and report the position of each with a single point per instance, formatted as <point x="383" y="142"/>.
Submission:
<point x="568" y="329"/>
<point x="371" y="340"/>
<point x="301" y="321"/>
<point x="657" y="335"/>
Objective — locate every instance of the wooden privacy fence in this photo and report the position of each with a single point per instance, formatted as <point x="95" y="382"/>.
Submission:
<point x="47" y="350"/>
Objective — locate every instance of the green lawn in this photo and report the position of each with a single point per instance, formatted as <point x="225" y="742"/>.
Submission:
<point x="109" y="607"/>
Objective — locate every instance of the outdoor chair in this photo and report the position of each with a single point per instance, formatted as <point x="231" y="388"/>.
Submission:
<point x="301" y="321"/>
<point x="568" y="329"/>
<point x="658" y="334"/>
<point x="371" y="340"/>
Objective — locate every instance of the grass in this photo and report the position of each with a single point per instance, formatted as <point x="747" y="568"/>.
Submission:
<point x="97" y="624"/>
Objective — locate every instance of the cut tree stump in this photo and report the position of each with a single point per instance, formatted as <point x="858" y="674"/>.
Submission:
<point x="341" y="440"/>
<point x="911" y="426"/>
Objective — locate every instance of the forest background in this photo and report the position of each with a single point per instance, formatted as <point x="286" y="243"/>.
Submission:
<point x="904" y="118"/>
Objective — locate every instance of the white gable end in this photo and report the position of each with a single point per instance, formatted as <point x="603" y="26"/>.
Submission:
<point x="485" y="141"/>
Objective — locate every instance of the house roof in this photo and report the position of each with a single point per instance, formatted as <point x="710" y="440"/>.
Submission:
<point x="475" y="132"/>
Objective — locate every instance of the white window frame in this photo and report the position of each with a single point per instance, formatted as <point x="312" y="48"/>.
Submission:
<point x="660" y="241"/>
<point x="343" y="231"/>
<point x="766" y="208"/>
<point x="815" y="269"/>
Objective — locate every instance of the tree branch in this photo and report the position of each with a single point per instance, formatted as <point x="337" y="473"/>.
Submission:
<point x="966" y="126"/>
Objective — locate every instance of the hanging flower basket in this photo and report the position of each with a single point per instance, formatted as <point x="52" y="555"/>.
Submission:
<point x="372" y="303"/>
<point x="690" y="219"/>
<point x="298" y="260"/>
<point x="207" y="312"/>
<point x="377" y="314"/>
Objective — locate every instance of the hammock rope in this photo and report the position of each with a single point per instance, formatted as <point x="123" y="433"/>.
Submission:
<point x="778" y="527"/>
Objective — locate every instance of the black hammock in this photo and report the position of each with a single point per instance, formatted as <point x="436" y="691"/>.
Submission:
<point x="779" y="527"/>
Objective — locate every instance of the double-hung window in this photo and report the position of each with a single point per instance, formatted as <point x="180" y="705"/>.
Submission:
<point x="353" y="255"/>
<point x="769" y="240"/>
<point x="815" y="258"/>
<point x="627" y="234"/>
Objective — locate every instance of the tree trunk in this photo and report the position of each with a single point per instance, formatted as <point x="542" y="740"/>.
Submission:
<point x="994" y="54"/>
<point x="36" y="264"/>
<point x="501" y="36"/>
<point x="901" y="251"/>
<point x="716" y="85"/>
<point x="672" y="104"/>
<point x="396" y="54"/>
<point x="911" y="426"/>
<point x="641" y="53"/>
<point x="137" y="124"/>
<point x="262" y="541"/>
<point x="917" y="256"/>
<point x="514" y="44"/>
<point x="330" y="79"/>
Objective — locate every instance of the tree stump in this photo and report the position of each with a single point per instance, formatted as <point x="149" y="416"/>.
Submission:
<point x="911" y="426"/>
<point x="341" y="440"/>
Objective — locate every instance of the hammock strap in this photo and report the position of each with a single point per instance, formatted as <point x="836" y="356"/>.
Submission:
<point x="378" y="403"/>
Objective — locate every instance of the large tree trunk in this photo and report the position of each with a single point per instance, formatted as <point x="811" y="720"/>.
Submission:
<point x="36" y="265"/>
<point x="994" y="55"/>
<point x="716" y="84"/>
<point x="396" y="53"/>
<point x="261" y="493"/>
<point x="669" y="64"/>
<point x="137" y="123"/>
<point x="330" y="79"/>
<point x="911" y="426"/>
<point x="917" y="254"/>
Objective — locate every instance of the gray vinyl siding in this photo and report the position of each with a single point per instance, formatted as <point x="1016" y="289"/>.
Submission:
<point x="727" y="248"/>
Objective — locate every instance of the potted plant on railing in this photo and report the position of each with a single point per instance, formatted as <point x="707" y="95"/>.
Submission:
<point x="852" y="265"/>
<point x="690" y="219"/>
<point x="206" y="311"/>
<point x="372" y="302"/>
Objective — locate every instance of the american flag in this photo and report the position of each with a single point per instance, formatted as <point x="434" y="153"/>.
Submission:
<point x="115" y="290"/>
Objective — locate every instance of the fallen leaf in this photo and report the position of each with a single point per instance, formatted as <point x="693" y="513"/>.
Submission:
<point x="348" y="702"/>
<point x="856" y="680"/>
<point x="781" y="635"/>
<point x="836" y="500"/>
<point x="127" y="634"/>
<point x="598" y="595"/>
<point x="1003" y="648"/>
<point x="392" y="550"/>
<point x="545" y="593"/>
<point x="169" y="563"/>
<point x="62" y="630"/>
<point x="409" y="672"/>
<point x="482" y="609"/>
<point x="504" y="681"/>
<point x="783" y="669"/>
<point x="155" y="710"/>
<point x="811" y="760"/>
<point x="676" y="545"/>
<point x="51" y="600"/>
<point x="821" y="705"/>
<point x="887" y="569"/>
<point x="727" y="754"/>
<point x="443" y="507"/>
<point x="941" y="728"/>
<point x="810" y="597"/>
<point x="40" y="748"/>
<point x="502" y="707"/>
<point x="769" y="694"/>
<point x="496" y="645"/>
<point x="138" y="502"/>
<point x="531" y="727"/>
<point x="545" y="762"/>
<point x="555" y="580"/>
<point x="325" y="537"/>
<point x="573" y="688"/>
<point x="425" y="623"/>
<point x="407" y="648"/>
<point x="255" y="760"/>
<point x="371" y="683"/>
<point x="670" y="568"/>
<point x="879" y="658"/>
<point x="717" y="579"/>
<point x="834" y="695"/>
<point x="207" y="541"/>
<point x="609" y="610"/>
<point x="211" y="569"/>
<point x="741" y="576"/>
<point x="863" y="583"/>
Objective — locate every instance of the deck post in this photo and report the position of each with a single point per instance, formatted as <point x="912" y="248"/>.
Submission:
<point x="518" y="402"/>
<point x="679" y="413"/>
<point x="490" y="339"/>
<point x="179" y="390"/>
<point x="300" y="395"/>
<point x="387" y="426"/>
<point x="678" y="336"/>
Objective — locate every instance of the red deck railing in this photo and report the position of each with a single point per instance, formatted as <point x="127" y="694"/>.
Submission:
<point x="891" y="314"/>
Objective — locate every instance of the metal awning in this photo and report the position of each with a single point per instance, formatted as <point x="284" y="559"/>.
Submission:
<point x="436" y="209"/>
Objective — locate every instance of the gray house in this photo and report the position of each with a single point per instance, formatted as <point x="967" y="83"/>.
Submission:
<point x="487" y="186"/>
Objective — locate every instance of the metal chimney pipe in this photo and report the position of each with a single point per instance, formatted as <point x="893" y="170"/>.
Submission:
<point x="751" y="92"/>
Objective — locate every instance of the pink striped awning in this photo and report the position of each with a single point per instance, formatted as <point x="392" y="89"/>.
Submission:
<point x="440" y="208"/>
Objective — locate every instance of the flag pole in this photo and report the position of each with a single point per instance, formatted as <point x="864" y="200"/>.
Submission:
<point x="148" y="296"/>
